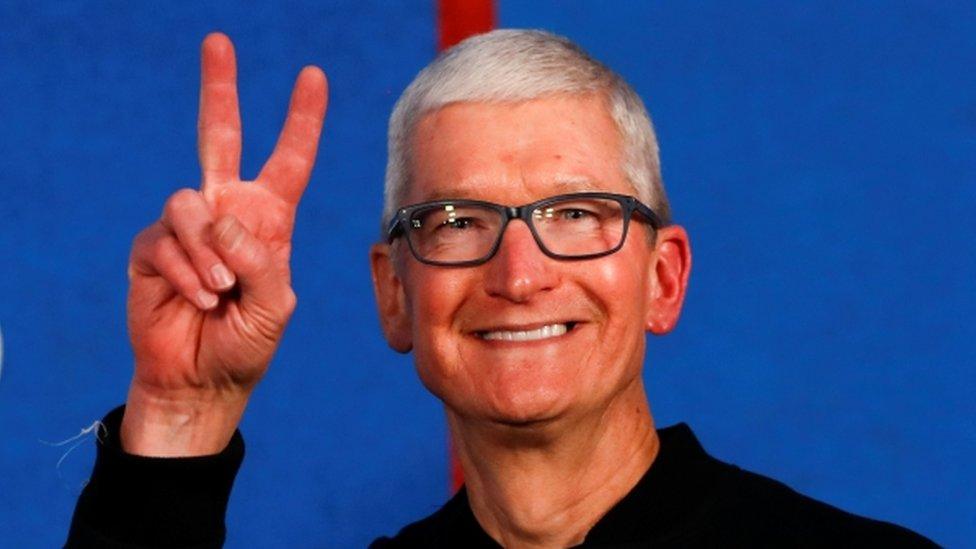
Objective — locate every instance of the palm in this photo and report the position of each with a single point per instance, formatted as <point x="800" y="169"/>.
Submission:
<point x="177" y="345"/>
<point x="239" y="339"/>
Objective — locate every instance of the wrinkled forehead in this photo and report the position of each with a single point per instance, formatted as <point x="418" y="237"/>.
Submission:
<point x="510" y="151"/>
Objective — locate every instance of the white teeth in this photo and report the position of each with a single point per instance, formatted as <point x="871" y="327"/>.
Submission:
<point x="544" y="332"/>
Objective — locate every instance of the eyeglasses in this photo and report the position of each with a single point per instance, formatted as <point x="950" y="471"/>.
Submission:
<point x="463" y="233"/>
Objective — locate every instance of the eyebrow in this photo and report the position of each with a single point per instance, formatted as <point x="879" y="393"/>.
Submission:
<point x="563" y="184"/>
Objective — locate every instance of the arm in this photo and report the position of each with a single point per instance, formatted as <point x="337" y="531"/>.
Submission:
<point x="136" y="501"/>
<point x="209" y="298"/>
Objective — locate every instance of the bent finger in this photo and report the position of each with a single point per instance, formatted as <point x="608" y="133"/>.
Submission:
<point x="262" y="281"/>
<point x="287" y="170"/>
<point x="157" y="252"/>
<point x="188" y="216"/>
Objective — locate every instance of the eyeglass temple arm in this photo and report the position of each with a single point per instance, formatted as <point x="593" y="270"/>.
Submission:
<point x="394" y="228"/>
<point x="648" y="214"/>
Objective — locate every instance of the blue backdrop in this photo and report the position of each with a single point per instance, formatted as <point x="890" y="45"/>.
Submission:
<point x="822" y="157"/>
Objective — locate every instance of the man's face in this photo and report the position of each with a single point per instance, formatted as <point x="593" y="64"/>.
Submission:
<point x="514" y="153"/>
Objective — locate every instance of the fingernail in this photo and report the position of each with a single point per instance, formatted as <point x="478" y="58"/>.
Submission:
<point x="221" y="276"/>
<point x="206" y="299"/>
<point x="230" y="235"/>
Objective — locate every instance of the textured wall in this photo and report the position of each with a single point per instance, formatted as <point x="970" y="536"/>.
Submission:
<point x="823" y="159"/>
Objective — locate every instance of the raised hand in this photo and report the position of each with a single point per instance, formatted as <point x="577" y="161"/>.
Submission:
<point x="210" y="283"/>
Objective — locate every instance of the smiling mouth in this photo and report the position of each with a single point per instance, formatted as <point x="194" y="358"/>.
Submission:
<point x="544" y="332"/>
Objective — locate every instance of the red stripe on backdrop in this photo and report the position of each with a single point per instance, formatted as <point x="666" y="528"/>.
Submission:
<point x="457" y="20"/>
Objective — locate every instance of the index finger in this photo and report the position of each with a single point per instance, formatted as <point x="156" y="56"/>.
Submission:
<point x="219" y="122"/>
<point x="287" y="170"/>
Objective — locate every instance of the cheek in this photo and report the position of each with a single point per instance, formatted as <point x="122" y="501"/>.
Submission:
<point x="435" y="296"/>
<point x="619" y="288"/>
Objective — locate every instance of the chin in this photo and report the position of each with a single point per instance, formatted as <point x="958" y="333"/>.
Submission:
<point x="517" y="391"/>
<point x="527" y="406"/>
<point x="508" y="406"/>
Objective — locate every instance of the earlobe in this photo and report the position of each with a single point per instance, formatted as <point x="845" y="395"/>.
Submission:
<point x="391" y="299"/>
<point x="668" y="280"/>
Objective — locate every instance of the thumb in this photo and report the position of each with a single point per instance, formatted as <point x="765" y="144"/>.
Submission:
<point x="262" y="283"/>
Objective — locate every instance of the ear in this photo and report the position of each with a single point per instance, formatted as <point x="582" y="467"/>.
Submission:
<point x="670" y="268"/>
<point x="391" y="301"/>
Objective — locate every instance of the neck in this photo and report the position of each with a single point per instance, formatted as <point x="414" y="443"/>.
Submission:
<point x="547" y="485"/>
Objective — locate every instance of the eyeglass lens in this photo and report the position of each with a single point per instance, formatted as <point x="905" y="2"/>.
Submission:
<point x="573" y="227"/>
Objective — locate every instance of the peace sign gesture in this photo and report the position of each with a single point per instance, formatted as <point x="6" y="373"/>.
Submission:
<point x="210" y="283"/>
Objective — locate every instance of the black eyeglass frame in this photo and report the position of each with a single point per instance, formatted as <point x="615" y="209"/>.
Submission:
<point x="628" y="204"/>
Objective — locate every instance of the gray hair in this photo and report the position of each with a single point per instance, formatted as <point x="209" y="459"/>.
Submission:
<point x="518" y="65"/>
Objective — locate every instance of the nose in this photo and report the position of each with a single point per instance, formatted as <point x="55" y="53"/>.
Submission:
<point x="519" y="270"/>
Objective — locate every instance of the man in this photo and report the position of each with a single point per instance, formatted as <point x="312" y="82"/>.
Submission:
<point x="526" y="251"/>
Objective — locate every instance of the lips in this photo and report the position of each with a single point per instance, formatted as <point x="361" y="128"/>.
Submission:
<point x="524" y="334"/>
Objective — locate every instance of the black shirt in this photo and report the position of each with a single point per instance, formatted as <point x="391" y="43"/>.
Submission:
<point x="686" y="499"/>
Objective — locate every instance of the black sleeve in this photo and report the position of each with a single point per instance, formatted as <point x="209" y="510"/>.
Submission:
<point x="133" y="501"/>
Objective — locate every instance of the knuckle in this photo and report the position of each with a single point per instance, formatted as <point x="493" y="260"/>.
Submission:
<point x="166" y="253"/>
<point x="298" y="159"/>
<point x="253" y="254"/>
<point x="144" y="239"/>
<point x="290" y="162"/>
<point x="309" y="118"/>
<point x="184" y="280"/>
<point x="225" y="133"/>
<point x="139" y="240"/>
<point x="188" y="288"/>
<point x="179" y="202"/>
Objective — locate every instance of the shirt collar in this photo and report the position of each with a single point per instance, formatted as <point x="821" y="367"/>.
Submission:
<point x="672" y="492"/>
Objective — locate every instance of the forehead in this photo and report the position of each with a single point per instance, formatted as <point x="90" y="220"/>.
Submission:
<point x="516" y="152"/>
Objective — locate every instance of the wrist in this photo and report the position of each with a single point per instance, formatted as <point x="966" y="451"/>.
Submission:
<point x="179" y="425"/>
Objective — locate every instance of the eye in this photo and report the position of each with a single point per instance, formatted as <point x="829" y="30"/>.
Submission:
<point x="564" y="213"/>
<point x="569" y="214"/>
<point x="574" y="214"/>
<point x="457" y="223"/>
